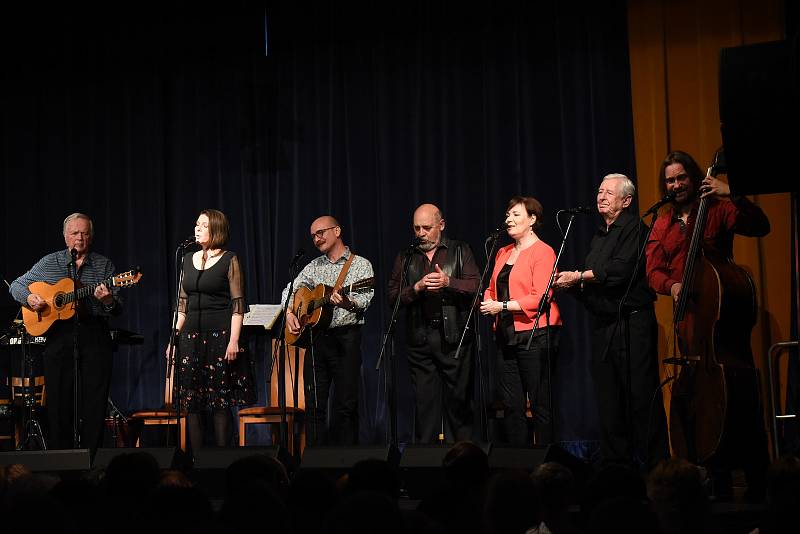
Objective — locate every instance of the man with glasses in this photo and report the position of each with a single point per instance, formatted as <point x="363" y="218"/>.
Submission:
<point x="334" y="356"/>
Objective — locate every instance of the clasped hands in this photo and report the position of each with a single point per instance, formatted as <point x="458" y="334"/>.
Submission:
<point x="566" y="279"/>
<point x="433" y="281"/>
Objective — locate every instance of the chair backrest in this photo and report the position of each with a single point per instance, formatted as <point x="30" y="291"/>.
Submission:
<point x="291" y="376"/>
<point x="168" y="387"/>
<point x="20" y="387"/>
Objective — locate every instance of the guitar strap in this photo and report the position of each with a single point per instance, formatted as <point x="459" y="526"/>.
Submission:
<point x="342" y="275"/>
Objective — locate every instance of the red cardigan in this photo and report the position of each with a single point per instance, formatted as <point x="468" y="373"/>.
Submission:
<point x="526" y="283"/>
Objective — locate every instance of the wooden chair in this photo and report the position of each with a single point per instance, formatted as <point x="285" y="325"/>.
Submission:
<point x="7" y="418"/>
<point x="271" y="414"/>
<point x="167" y="416"/>
<point x="19" y="385"/>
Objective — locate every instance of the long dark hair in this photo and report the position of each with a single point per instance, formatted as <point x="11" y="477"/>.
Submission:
<point x="689" y="165"/>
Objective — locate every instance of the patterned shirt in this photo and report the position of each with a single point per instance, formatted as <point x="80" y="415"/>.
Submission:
<point x="56" y="265"/>
<point x="321" y="270"/>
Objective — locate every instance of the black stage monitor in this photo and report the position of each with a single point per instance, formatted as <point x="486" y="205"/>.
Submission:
<point x="759" y="100"/>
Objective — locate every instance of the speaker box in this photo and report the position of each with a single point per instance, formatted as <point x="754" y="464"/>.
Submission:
<point x="336" y="461"/>
<point x="524" y="458"/>
<point x="49" y="461"/>
<point x="165" y="456"/>
<point x="758" y="103"/>
<point x="421" y="469"/>
<point x="210" y="465"/>
<point x="530" y="458"/>
<point x="341" y="457"/>
<point x="222" y="457"/>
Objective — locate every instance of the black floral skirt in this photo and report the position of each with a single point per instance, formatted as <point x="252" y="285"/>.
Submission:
<point x="206" y="379"/>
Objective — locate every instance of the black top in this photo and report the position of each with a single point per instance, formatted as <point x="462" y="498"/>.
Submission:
<point x="210" y="296"/>
<point x="505" y="325"/>
<point x="612" y="258"/>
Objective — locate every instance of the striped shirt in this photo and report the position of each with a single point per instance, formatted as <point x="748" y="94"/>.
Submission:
<point x="321" y="270"/>
<point x="55" y="266"/>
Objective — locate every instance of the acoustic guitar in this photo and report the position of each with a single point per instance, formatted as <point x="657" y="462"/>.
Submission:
<point x="60" y="298"/>
<point x="314" y="310"/>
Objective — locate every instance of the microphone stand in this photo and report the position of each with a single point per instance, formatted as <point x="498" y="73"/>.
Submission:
<point x="174" y="352"/>
<point x="627" y="339"/>
<point x="76" y="434"/>
<point x="494" y="237"/>
<point x="544" y="307"/>
<point x="392" y="369"/>
<point x="32" y="431"/>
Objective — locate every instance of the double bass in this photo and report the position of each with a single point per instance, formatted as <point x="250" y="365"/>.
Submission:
<point x="716" y="397"/>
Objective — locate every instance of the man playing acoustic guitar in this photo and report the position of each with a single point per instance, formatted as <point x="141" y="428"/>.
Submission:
<point x="94" y="340"/>
<point x="335" y="355"/>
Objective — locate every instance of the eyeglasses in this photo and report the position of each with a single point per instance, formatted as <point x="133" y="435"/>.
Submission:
<point x="320" y="233"/>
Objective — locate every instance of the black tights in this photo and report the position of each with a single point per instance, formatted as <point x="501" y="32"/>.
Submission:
<point x="222" y="421"/>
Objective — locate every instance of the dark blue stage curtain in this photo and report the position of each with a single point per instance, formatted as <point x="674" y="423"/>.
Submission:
<point x="141" y="118"/>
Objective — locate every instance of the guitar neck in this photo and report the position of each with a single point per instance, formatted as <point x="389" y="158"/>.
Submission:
<point x="343" y="291"/>
<point x="85" y="291"/>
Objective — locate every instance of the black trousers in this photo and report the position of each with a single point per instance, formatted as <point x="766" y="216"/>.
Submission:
<point x="525" y="374"/>
<point x="443" y="388"/>
<point x="335" y="360"/>
<point x="633" y="428"/>
<point x="94" y="344"/>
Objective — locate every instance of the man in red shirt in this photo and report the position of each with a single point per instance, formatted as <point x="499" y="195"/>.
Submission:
<point x="667" y="251"/>
<point x="727" y="215"/>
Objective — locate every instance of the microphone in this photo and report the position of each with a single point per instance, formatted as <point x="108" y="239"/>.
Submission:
<point x="497" y="231"/>
<point x="414" y="244"/>
<point x="580" y="210"/>
<point x="74" y="253"/>
<point x="300" y="253"/>
<point x="188" y="242"/>
<point x="666" y="199"/>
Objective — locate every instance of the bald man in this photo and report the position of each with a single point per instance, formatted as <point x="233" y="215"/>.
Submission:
<point x="441" y="280"/>
<point x="335" y="354"/>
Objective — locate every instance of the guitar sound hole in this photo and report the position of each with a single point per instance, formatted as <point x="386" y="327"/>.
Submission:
<point x="58" y="301"/>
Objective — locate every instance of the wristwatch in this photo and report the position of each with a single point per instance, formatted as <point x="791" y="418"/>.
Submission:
<point x="505" y="305"/>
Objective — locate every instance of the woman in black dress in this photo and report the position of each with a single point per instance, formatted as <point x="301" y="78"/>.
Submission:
<point x="214" y="371"/>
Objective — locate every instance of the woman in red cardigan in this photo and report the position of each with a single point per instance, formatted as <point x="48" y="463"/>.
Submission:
<point x="520" y="276"/>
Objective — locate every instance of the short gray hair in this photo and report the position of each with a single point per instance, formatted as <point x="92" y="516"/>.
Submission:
<point x="72" y="216"/>
<point x="628" y="189"/>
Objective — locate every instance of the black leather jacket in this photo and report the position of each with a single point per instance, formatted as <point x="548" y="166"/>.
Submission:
<point x="460" y="266"/>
